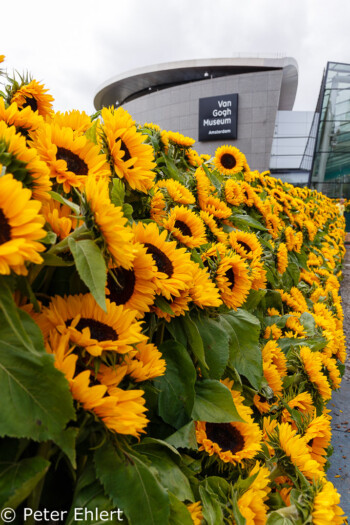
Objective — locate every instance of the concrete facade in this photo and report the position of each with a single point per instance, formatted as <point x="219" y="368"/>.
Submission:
<point x="177" y="108"/>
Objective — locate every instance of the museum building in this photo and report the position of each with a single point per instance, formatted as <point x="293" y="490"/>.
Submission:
<point x="247" y="103"/>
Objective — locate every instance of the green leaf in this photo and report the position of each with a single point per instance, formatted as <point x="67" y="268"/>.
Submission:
<point x="253" y="300"/>
<point x="179" y="514"/>
<point x="117" y="192"/>
<point x="194" y="341"/>
<point x="216" y="345"/>
<point x="12" y="315"/>
<point x="213" y="403"/>
<point x="185" y="437"/>
<point x="57" y="197"/>
<point x="89" y="494"/>
<point x="54" y="260"/>
<point x="176" y="386"/>
<point x="277" y="519"/>
<point x="212" y="511"/>
<point x="128" y="210"/>
<point x="245" y="351"/>
<point x="177" y="331"/>
<point x="18" y="479"/>
<point x="308" y="323"/>
<point x="163" y="305"/>
<point x="31" y="385"/>
<point x="91" y="267"/>
<point x="91" y="133"/>
<point x="50" y="238"/>
<point x="169" y="473"/>
<point x="294" y="273"/>
<point x="132" y="486"/>
<point x="247" y="222"/>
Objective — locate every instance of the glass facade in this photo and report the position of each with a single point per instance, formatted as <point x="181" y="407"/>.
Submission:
<point x="330" y="171"/>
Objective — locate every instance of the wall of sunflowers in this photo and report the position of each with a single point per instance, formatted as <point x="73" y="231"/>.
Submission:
<point x="170" y="326"/>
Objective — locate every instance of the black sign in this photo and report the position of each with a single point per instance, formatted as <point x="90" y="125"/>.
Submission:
<point x="218" y="117"/>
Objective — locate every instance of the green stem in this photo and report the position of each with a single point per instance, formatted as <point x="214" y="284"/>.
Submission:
<point x="45" y="450"/>
<point x="80" y="233"/>
<point x="160" y="334"/>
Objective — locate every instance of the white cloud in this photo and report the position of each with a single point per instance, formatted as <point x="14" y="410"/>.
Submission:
<point x="74" y="46"/>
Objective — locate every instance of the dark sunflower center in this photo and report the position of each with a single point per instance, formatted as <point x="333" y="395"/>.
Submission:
<point x="31" y="102"/>
<point x="74" y="162"/>
<point x="245" y="246"/>
<point x="98" y="330"/>
<point x="163" y="262"/>
<point x="226" y="436"/>
<point x="124" y="147"/>
<point x="182" y="226"/>
<point x="126" y="279"/>
<point x="230" y="276"/>
<point x="5" y="228"/>
<point x="23" y="131"/>
<point x="228" y="161"/>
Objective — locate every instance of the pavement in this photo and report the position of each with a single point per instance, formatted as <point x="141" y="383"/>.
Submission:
<point x="339" y="472"/>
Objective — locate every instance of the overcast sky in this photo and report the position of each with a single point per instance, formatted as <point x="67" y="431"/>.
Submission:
<point x="74" y="46"/>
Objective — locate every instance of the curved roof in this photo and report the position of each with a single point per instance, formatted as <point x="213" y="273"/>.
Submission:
<point x="138" y="82"/>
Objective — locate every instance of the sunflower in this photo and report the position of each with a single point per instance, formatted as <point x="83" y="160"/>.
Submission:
<point x="296" y="451"/>
<point x="212" y="227"/>
<point x="233" y="192"/>
<point x="195" y="509"/>
<point x="203" y="291"/>
<point x="332" y="371"/>
<point x="204" y="186"/>
<point x="272" y="353"/>
<point x="24" y="120"/>
<point x="193" y="158"/>
<point x="173" y="264"/>
<point x="121" y="411"/>
<point x="186" y="227"/>
<point x="35" y="96"/>
<point x="21" y="227"/>
<point x="78" y="121"/>
<point x="312" y="366"/>
<point x="90" y="327"/>
<point x="178" y="305"/>
<point x="180" y="140"/>
<point x="233" y="280"/>
<point x="109" y="222"/>
<point x="257" y="273"/>
<point x="252" y="504"/>
<point x="176" y="191"/>
<point x="301" y="402"/>
<point x="215" y="207"/>
<point x="261" y="404"/>
<point x="70" y="158"/>
<point x="134" y="288"/>
<point x="158" y="207"/>
<point x="231" y="442"/>
<point x="124" y="411"/>
<point x="318" y="438"/>
<point x="245" y="244"/>
<point x="59" y="217"/>
<point x="127" y="154"/>
<point x="326" y="506"/>
<point x="229" y="160"/>
<point x="147" y="363"/>
<point x="282" y="258"/>
<point x="24" y="163"/>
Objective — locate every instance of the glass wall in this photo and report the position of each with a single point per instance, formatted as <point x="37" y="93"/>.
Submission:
<point x="331" y="162"/>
